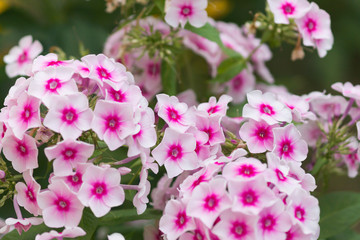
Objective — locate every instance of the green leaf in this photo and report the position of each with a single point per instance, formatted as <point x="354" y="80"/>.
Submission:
<point x="168" y="78"/>
<point x="211" y="33"/>
<point x="229" y="68"/>
<point x="348" y="235"/>
<point x="30" y="234"/>
<point x="339" y="211"/>
<point x="89" y="224"/>
<point x="319" y="163"/>
<point x="125" y="215"/>
<point x="160" y="5"/>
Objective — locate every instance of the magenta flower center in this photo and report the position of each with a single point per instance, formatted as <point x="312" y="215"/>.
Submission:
<point x="173" y="115"/>
<point x="153" y="69"/>
<point x="286" y="147"/>
<point x="75" y="179"/>
<point x="262" y="133"/>
<point x="53" y="84"/>
<point x="210" y="132"/>
<point x="266" y="109"/>
<point x="310" y="25"/>
<point x="55" y="63"/>
<point x="237" y="82"/>
<point x="175" y="152"/>
<point x="69" y="153"/>
<point x="69" y="115"/>
<point x="22" y="149"/>
<point x="99" y="189"/>
<point x="112" y="122"/>
<point x="23" y="58"/>
<point x="198" y="235"/>
<point x="299" y="213"/>
<point x="249" y="197"/>
<point x="238" y="229"/>
<point x="288" y="9"/>
<point x="280" y="175"/>
<point x="118" y="96"/>
<point x="289" y="236"/>
<point x="268" y="222"/>
<point x="186" y="10"/>
<point x="246" y="170"/>
<point x="211" y="202"/>
<point x="181" y="219"/>
<point x="213" y="109"/>
<point x="30" y="195"/>
<point x="27" y="113"/>
<point x="198" y="181"/>
<point x="103" y="73"/>
<point x="62" y="204"/>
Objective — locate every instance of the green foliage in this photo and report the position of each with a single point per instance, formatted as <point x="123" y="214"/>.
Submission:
<point x="229" y="68"/>
<point x="168" y="77"/>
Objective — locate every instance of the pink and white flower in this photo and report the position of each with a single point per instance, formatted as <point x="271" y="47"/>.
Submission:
<point x="266" y="107"/>
<point x="177" y="152"/>
<point x="288" y="144"/>
<point x="67" y="155"/>
<point x="19" y="60"/>
<point x="241" y="84"/>
<point x="182" y="11"/>
<point x="211" y="126"/>
<point x="214" y="108"/>
<point x="113" y="122"/>
<point x="69" y="115"/>
<point x="243" y="169"/>
<point x="49" y="60"/>
<point x="60" y="206"/>
<point x="23" y="224"/>
<point x="284" y="10"/>
<point x="21" y="153"/>
<point x="101" y="190"/>
<point x="66" y="233"/>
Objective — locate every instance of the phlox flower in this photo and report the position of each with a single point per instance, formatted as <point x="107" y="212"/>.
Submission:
<point x="49" y="60"/>
<point x="67" y="155"/>
<point x="311" y="132"/>
<point x="257" y="135"/>
<point x="125" y="93"/>
<point x="23" y="224"/>
<point x="211" y="126"/>
<point x="288" y="144"/>
<point x="296" y="233"/>
<point x="266" y="107"/>
<point x="250" y="197"/>
<point x="200" y="232"/>
<point x="299" y="107"/>
<point x="347" y="89"/>
<point x="284" y="10"/>
<point x="66" y="233"/>
<point x="69" y="115"/>
<point x="177" y="152"/>
<point x="20" y="86"/>
<point x="73" y="180"/>
<point x="19" y="59"/>
<point x="274" y="222"/>
<point x="241" y="84"/>
<point x="243" y="169"/>
<point x="27" y="193"/>
<point x="182" y="11"/>
<point x="101" y="190"/>
<point x="22" y="153"/>
<point x="140" y="199"/>
<point x="307" y="181"/>
<point x="327" y="106"/>
<point x="116" y="236"/>
<point x="352" y="160"/>
<point x="113" y="122"/>
<point x="216" y="108"/>
<point x="60" y="206"/>
<point x="174" y="113"/>
<point x="175" y="220"/>
<point x="203" y="150"/>
<point x="52" y="81"/>
<point x="315" y="30"/>
<point x="24" y="115"/>
<point x="304" y="210"/>
<point x="235" y="226"/>
<point x="208" y="200"/>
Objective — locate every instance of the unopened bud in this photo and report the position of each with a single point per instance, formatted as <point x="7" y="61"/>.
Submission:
<point x="2" y="175"/>
<point x="297" y="53"/>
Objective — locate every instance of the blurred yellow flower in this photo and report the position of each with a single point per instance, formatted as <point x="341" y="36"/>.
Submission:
<point x="4" y="4"/>
<point x="218" y="8"/>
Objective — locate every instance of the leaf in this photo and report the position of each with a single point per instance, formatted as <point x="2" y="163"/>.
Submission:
<point x="89" y="224"/>
<point x="211" y="33"/>
<point x="339" y="211"/>
<point x="30" y="234"/>
<point x="348" y="235"/>
<point x="229" y="68"/>
<point x="125" y="215"/>
<point x="168" y="78"/>
<point x="160" y="5"/>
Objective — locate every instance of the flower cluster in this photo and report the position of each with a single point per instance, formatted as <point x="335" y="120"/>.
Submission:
<point x="73" y="108"/>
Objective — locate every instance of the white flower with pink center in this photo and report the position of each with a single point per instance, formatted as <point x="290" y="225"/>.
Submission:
<point x="66" y="233"/>
<point x="49" y="60"/>
<point x="352" y="160"/>
<point x="23" y="224"/>
<point x="183" y="11"/>
<point x="296" y="233"/>
<point x="211" y="126"/>
<point x="27" y="193"/>
<point x="203" y="150"/>
<point x="299" y="107"/>
<point x="19" y="59"/>
<point x="250" y="197"/>
<point x="69" y="115"/>
<point x="113" y="122"/>
<point x="22" y="153"/>
<point x="307" y="181"/>
<point x="20" y="86"/>
<point x="74" y="180"/>
<point x="216" y="108"/>
<point x="284" y="10"/>
<point x="67" y="155"/>
<point x="258" y="136"/>
<point x="278" y="174"/>
<point x="314" y="28"/>
<point x="235" y="226"/>
<point x="241" y="84"/>
<point x="174" y="113"/>
<point x="304" y="210"/>
<point x="125" y="93"/>
<point x="243" y="169"/>
<point x="266" y="107"/>
<point x="208" y="200"/>
<point x="101" y="190"/>
<point x="199" y="233"/>
<point x="52" y="81"/>
<point x="177" y="152"/>
<point x="347" y="89"/>
<point x="104" y="69"/>
<point x="327" y="106"/>
<point x="274" y="222"/>
<point x="288" y="144"/>
<point x="24" y="115"/>
<point x="175" y="221"/>
<point x="60" y="206"/>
